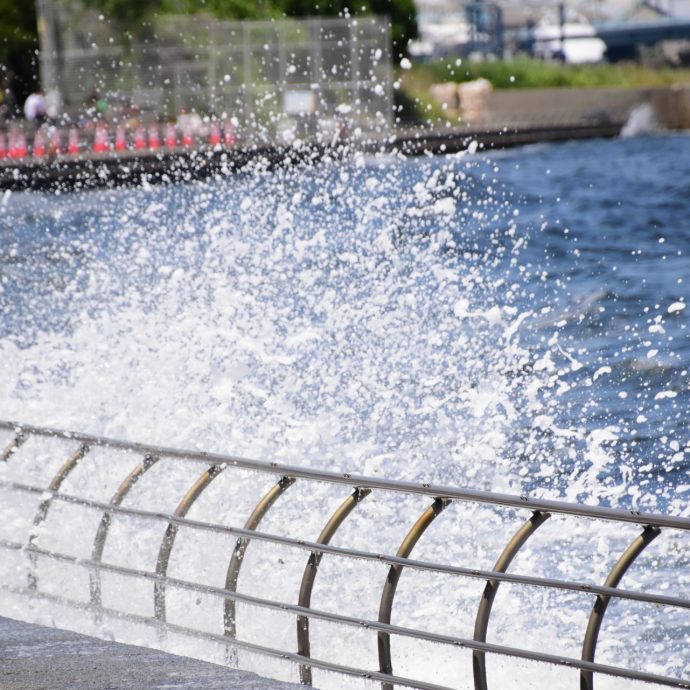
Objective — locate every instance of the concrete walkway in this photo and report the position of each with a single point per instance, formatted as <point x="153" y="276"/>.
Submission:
<point x="33" y="657"/>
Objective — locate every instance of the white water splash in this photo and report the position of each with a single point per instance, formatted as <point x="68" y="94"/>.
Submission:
<point x="361" y="316"/>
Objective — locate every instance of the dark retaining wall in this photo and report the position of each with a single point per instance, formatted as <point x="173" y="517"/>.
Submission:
<point x="90" y="171"/>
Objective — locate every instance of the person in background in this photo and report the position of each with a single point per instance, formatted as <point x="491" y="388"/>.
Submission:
<point x="53" y="105"/>
<point x="35" y="107"/>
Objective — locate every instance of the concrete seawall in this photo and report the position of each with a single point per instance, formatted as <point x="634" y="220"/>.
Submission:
<point x="670" y="106"/>
<point x="33" y="657"/>
<point x="91" y="171"/>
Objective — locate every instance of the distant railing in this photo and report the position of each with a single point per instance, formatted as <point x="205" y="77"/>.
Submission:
<point x="360" y="487"/>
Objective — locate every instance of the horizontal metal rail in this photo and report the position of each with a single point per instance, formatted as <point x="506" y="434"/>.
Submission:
<point x="364" y="482"/>
<point x="334" y="618"/>
<point x="358" y="554"/>
<point x="239" y="644"/>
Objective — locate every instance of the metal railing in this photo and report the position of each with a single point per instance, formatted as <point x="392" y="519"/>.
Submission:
<point x="360" y="487"/>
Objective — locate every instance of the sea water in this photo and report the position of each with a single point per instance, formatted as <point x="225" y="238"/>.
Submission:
<point x="513" y="321"/>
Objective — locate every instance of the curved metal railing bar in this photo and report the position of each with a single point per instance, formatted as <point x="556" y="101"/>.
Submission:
<point x="44" y="506"/>
<point x="357" y="554"/>
<point x="310" y="572"/>
<point x="389" y="589"/>
<point x="233" y="573"/>
<point x="348" y="479"/>
<point x="328" y="616"/>
<point x="481" y="624"/>
<point x="106" y="520"/>
<point x="168" y="541"/>
<point x="12" y="446"/>
<point x="55" y="483"/>
<point x="596" y="618"/>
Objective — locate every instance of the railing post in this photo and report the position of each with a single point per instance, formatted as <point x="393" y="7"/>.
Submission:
<point x="104" y="527"/>
<point x="168" y="541"/>
<point x="309" y="576"/>
<point x="596" y="618"/>
<point x="262" y="507"/>
<point x="44" y="506"/>
<point x="481" y="623"/>
<point x="388" y="594"/>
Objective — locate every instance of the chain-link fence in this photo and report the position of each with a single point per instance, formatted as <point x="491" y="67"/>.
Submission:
<point x="277" y="78"/>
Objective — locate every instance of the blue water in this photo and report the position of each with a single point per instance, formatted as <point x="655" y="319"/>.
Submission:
<point x="342" y="314"/>
<point x="608" y="222"/>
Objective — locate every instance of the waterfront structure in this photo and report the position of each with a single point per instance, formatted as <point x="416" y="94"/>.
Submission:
<point x="276" y="78"/>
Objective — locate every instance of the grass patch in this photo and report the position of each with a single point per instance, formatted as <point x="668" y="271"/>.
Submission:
<point x="523" y="73"/>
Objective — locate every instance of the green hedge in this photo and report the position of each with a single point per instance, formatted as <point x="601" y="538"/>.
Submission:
<point x="526" y="73"/>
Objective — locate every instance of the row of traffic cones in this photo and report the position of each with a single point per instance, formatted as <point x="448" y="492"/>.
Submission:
<point x="50" y="143"/>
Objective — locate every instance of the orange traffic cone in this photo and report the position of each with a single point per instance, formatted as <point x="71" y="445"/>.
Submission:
<point x="101" y="142"/>
<point x="170" y="136"/>
<point x="230" y="135"/>
<point x="120" y="138"/>
<point x="187" y="136"/>
<point x="55" y="142"/>
<point x="154" y="137"/>
<point x="39" y="147"/>
<point x="73" y="147"/>
<point x="12" y="145"/>
<point x="18" y="145"/>
<point x="215" y="138"/>
<point x="139" y="138"/>
<point x="22" y="148"/>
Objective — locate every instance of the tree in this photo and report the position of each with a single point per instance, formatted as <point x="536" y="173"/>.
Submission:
<point x="403" y="16"/>
<point x="18" y="44"/>
<point x="224" y="9"/>
<point x="402" y="13"/>
<point x="128" y="13"/>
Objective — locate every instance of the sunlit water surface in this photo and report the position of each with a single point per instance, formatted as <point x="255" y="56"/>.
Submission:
<point x="512" y="322"/>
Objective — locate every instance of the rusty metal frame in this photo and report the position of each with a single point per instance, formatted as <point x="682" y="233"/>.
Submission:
<point x="394" y="573"/>
<point x="106" y="520"/>
<point x="481" y="624"/>
<point x="596" y="618"/>
<point x="168" y="541"/>
<point x="233" y="573"/>
<point x="310" y="572"/>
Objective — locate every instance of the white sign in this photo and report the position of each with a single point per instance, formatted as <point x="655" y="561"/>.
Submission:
<point x="297" y="102"/>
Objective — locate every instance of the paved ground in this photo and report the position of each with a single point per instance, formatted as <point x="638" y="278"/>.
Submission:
<point x="33" y="657"/>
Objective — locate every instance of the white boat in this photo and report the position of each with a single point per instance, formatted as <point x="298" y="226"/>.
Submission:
<point x="575" y="41"/>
